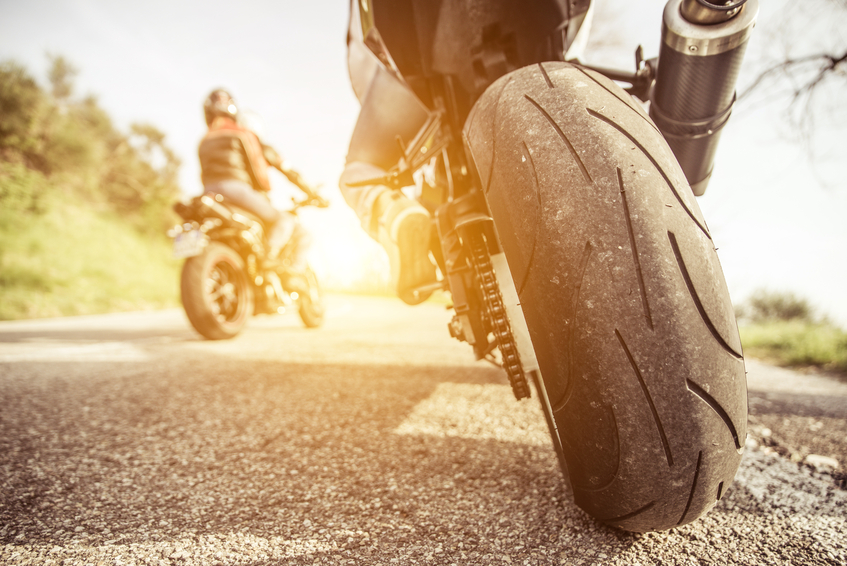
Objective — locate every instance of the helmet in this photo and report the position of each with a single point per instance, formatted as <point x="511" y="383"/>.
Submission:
<point x="219" y="103"/>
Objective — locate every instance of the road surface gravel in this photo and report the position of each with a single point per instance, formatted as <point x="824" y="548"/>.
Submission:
<point x="126" y="439"/>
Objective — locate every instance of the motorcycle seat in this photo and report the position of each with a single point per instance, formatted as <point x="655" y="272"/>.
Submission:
<point x="239" y="210"/>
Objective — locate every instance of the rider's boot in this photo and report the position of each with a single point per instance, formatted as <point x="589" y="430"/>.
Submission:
<point x="404" y="231"/>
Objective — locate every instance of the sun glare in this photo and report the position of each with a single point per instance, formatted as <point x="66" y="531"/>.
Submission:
<point x="342" y="255"/>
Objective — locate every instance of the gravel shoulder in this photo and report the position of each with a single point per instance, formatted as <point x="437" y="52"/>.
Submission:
<point x="125" y="439"/>
<point x="800" y="415"/>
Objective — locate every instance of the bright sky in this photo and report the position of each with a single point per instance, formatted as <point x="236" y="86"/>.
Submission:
<point x="777" y="218"/>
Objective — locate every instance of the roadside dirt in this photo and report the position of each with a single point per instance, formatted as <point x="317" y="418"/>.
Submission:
<point x="801" y="416"/>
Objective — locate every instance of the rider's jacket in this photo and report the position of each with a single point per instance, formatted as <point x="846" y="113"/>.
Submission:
<point x="231" y="151"/>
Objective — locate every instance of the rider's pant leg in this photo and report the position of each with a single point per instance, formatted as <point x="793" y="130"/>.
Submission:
<point x="363" y="198"/>
<point x="401" y="225"/>
<point x="280" y="225"/>
<point x="281" y="232"/>
<point x="243" y="195"/>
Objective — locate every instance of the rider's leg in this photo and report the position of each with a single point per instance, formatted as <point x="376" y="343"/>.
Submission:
<point x="280" y="225"/>
<point x="362" y="198"/>
<point x="401" y="225"/>
<point x="243" y="195"/>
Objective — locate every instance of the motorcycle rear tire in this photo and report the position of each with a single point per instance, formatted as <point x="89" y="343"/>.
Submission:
<point x="622" y="292"/>
<point x="211" y="309"/>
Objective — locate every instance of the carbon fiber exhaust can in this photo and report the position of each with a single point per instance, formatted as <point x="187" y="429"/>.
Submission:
<point x="703" y="44"/>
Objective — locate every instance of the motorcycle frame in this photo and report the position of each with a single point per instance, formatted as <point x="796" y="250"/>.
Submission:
<point x="246" y="236"/>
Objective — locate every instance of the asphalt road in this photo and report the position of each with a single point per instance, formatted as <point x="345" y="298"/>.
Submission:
<point x="126" y="439"/>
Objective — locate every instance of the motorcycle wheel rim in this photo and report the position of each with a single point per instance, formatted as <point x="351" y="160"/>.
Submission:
<point x="223" y="291"/>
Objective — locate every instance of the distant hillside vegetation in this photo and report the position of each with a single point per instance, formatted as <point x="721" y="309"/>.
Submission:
<point x="784" y="329"/>
<point x="83" y="206"/>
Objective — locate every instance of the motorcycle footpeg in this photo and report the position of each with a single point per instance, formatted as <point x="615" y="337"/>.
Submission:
<point x="430" y="288"/>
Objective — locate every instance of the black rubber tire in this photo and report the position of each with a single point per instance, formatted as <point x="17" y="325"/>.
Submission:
<point x="311" y="305"/>
<point x="216" y="318"/>
<point x="622" y="292"/>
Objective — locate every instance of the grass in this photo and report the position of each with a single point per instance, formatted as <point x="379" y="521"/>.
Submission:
<point x="797" y="343"/>
<point x="72" y="260"/>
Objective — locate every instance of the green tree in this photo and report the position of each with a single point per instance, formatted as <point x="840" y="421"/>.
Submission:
<point x="61" y="76"/>
<point x="72" y="146"/>
<point x="23" y="109"/>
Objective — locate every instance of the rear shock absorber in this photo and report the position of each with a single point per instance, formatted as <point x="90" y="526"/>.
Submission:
<point x="703" y="44"/>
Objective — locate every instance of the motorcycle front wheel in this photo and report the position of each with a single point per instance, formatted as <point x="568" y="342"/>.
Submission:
<point x="216" y="295"/>
<point x="622" y="293"/>
<point x="311" y="304"/>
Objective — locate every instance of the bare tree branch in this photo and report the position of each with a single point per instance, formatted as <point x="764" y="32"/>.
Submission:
<point x="827" y="62"/>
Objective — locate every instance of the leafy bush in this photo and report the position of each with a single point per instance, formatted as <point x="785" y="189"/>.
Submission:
<point x="22" y="110"/>
<point x="77" y="261"/>
<point x="22" y="189"/>
<point x="766" y="306"/>
<point x="797" y="343"/>
<point x="784" y="329"/>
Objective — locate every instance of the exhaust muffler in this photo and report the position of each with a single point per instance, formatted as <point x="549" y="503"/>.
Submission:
<point x="703" y="44"/>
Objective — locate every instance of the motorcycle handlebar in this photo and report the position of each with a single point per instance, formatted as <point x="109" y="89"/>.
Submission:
<point x="312" y="200"/>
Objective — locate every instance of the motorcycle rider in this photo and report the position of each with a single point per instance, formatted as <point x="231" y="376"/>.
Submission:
<point x="234" y="163"/>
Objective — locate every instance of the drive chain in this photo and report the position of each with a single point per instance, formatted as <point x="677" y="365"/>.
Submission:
<point x="496" y="312"/>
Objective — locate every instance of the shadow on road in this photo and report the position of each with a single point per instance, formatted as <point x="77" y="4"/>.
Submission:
<point x="796" y="404"/>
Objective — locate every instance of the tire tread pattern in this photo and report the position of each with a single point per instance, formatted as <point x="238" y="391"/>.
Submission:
<point x="565" y="139"/>
<point x="716" y="407"/>
<point x="638" y="269"/>
<point x="659" y="168"/>
<point x="617" y="275"/>
<point x="650" y="402"/>
<point x="695" y="297"/>
<point x="693" y="487"/>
